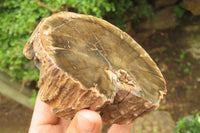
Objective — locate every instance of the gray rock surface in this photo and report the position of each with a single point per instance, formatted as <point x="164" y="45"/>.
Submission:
<point x="165" y="19"/>
<point x="154" y="122"/>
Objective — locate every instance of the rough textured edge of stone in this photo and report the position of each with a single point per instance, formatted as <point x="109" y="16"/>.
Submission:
<point x="72" y="98"/>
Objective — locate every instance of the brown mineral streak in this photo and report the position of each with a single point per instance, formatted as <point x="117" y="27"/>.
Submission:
<point x="85" y="62"/>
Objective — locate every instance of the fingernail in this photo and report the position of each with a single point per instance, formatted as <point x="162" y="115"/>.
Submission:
<point x="84" y="124"/>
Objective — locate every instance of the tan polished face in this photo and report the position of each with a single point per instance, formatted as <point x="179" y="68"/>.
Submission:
<point x="84" y="47"/>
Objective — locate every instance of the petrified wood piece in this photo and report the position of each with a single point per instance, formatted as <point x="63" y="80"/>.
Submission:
<point x="87" y="63"/>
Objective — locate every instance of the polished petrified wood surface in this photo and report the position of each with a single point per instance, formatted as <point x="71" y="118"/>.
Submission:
<point x="86" y="62"/>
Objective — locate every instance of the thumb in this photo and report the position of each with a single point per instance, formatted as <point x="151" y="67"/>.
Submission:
<point x="86" y="121"/>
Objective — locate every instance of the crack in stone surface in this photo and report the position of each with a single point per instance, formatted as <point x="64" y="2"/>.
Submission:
<point x="86" y="62"/>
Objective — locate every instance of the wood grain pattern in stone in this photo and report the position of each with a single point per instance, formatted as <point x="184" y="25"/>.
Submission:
<point x="86" y="62"/>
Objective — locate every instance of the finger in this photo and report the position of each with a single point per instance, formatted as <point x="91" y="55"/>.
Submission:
<point x="64" y="124"/>
<point x="42" y="114"/>
<point x="115" y="128"/>
<point x="86" y="121"/>
<point x="45" y="121"/>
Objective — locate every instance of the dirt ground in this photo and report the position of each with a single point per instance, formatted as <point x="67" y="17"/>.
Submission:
<point x="13" y="116"/>
<point x="168" y="48"/>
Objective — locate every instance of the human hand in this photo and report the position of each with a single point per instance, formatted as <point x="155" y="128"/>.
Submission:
<point x="85" y="121"/>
